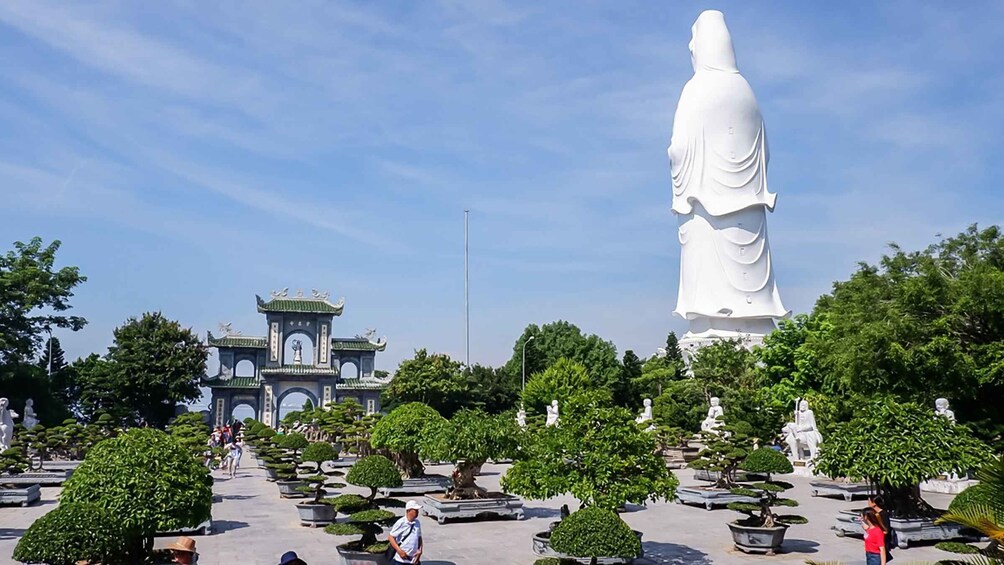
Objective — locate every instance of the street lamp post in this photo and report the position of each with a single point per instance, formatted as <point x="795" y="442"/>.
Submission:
<point x="524" y="359"/>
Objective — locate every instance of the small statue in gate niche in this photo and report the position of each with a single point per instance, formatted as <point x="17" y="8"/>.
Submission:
<point x="297" y="352"/>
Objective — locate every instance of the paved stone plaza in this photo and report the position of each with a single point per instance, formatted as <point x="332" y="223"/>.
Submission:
<point x="253" y="526"/>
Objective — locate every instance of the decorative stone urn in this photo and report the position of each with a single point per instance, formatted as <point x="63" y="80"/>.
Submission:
<point x="352" y="557"/>
<point x="750" y="539"/>
<point x="315" y="514"/>
<point x="287" y="489"/>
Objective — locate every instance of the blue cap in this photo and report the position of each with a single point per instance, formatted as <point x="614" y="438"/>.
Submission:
<point x="290" y="558"/>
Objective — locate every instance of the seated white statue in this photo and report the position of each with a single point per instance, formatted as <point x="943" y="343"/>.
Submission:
<point x="802" y="435"/>
<point x="941" y="409"/>
<point x="552" y="414"/>
<point x="646" y="412"/>
<point x="30" y="420"/>
<point x="521" y="417"/>
<point x="712" y="423"/>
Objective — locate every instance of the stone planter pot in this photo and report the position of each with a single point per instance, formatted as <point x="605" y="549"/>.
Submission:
<point x="352" y="557"/>
<point x="20" y="496"/>
<point x="287" y="489"/>
<point x="497" y="506"/>
<point x="752" y="539"/>
<point x="315" y="515"/>
<point x="905" y="531"/>
<point x="542" y="547"/>
<point x="270" y="475"/>
<point x="710" y="497"/>
<point x="41" y="478"/>
<point x="420" y="485"/>
<point x="846" y="490"/>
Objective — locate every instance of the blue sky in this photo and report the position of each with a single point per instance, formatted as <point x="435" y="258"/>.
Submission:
<point x="191" y="155"/>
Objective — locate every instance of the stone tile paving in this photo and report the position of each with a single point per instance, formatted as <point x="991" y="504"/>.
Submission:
<point x="253" y="526"/>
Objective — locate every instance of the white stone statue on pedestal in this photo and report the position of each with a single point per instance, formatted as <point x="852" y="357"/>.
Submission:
<point x="646" y="411"/>
<point x="712" y="423"/>
<point x="552" y="414"/>
<point x="6" y="424"/>
<point x="297" y="352"/>
<point x="521" y="417"/>
<point x="941" y="409"/>
<point x="802" y="434"/>
<point x="719" y="160"/>
<point x="30" y="420"/>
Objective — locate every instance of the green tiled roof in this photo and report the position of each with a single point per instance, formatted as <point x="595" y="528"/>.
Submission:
<point x="300" y="304"/>
<point x="360" y="384"/>
<point x="298" y="370"/>
<point x="233" y="382"/>
<point x="345" y="344"/>
<point x="236" y="341"/>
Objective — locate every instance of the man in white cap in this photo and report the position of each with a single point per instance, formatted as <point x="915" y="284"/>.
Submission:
<point x="406" y="536"/>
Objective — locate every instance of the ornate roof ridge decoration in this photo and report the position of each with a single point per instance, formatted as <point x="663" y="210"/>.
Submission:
<point x="235" y="341"/>
<point x="232" y="382"/>
<point x="361" y="384"/>
<point x="316" y="304"/>
<point x="297" y="370"/>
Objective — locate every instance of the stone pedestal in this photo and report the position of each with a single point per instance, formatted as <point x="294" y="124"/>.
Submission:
<point x="802" y="469"/>
<point x="20" y="496"/>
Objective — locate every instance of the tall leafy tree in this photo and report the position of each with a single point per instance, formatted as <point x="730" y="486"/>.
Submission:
<point x="561" y="381"/>
<point x="561" y="339"/>
<point x="491" y="389"/>
<point x="624" y="392"/>
<point x="724" y="365"/>
<point x="34" y="297"/>
<point x="430" y="378"/>
<point x="61" y="378"/>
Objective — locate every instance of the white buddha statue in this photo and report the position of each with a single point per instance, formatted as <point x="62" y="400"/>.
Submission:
<point x="521" y="417"/>
<point x="552" y="414"/>
<point x="6" y="424"/>
<point x="719" y="155"/>
<point x="941" y="409"/>
<point x="712" y="423"/>
<point x="802" y="434"/>
<point x="646" y="411"/>
<point x="30" y="419"/>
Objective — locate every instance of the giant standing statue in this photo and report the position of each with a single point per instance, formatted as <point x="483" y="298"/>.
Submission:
<point x="718" y="155"/>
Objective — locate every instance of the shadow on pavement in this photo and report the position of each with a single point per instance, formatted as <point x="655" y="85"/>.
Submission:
<point x="800" y="546"/>
<point x="11" y="533"/>
<point x="238" y="496"/>
<point x="223" y="526"/>
<point x="674" y="553"/>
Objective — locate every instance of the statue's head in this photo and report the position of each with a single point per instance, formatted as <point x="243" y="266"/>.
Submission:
<point x="803" y="405"/>
<point x="941" y="404"/>
<point x="711" y="44"/>
<point x="647" y="402"/>
<point x="714" y="401"/>
<point x="554" y="403"/>
<point x="3" y="403"/>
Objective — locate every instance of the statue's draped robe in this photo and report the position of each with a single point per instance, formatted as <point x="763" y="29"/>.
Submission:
<point x="719" y="160"/>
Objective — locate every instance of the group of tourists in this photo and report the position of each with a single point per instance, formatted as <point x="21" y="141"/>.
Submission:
<point x="405" y="539"/>
<point x="231" y="439"/>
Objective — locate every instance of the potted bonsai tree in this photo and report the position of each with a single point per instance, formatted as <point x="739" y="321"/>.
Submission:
<point x="12" y="464"/>
<point x="597" y="454"/>
<point x="366" y="520"/>
<point x="762" y="531"/>
<point x="401" y="433"/>
<point x="895" y="447"/>
<point x="724" y="452"/>
<point x="74" y="533"/>
<point x="315" y="512"/>
<point x="591" y="534"/>
<point x="286" y="471"/>
<point x="470" y="438"/>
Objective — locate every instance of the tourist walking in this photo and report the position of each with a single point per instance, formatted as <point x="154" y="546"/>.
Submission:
<point x="183" y="551"/>
<point x="290" y="558"/>
<point x="874" y="538"/>
<point x="405" y="536"/>
<point x="232" y="460"/>
<point x="877" y="503"/>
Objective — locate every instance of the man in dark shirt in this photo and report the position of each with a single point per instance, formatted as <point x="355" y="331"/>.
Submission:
<point x="876" y="503"/>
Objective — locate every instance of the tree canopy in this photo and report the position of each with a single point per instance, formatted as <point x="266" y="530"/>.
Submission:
<point x="563" y="340"/>
<point x="430" y="378"/>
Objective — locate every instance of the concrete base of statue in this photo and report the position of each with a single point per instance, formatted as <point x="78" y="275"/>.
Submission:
<point x="495" y="506"/>
<point x="947" y="485"/>
<point x="802" y="469"/>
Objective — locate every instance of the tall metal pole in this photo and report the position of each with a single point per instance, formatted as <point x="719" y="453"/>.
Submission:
<point x="524" y="359"/>
<point x="467" y="291"/>
<point x="50" y="352"/>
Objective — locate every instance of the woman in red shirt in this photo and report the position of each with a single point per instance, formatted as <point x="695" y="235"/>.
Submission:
<point x="874" y="538"/>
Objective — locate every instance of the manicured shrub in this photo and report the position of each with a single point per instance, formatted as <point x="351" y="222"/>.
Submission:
<point x="72" y="533"/>
<point x="767" y="461"/>
<point x="294" y="442"/>
<point x="402" y="432"/>
<point x="348" y="503"/>
<point x="319" y="452"/>
<point x="595" y="532"/>
<point x="957" y="547"/>
<point x="373" y="472"/>
<point x="147" y="480"/>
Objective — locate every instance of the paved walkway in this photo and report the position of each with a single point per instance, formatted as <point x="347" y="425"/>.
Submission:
<point x="253" y="526"/>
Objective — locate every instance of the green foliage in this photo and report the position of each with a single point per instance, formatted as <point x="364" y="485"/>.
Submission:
<point x="147" y="480"/>
<point x="562" y="380"/>
<point x="470" y="438"/>
<point x="681" y="405"/>
<point x="595" y="532"/>
<point x="559" y="340"/>
<point x="348" y="503"/>
<point x="373" y="472"/>
<point x="33" y="297"/>
<point x="659" y="372"/>
<point x="402" y="432"/>
<point x="12" y="462"/>
<point x="294" y="442"/>
<point x="957" y="547"/>
<point x="319" y="452"/>
<point x="191" y="431"/>
<point x="981" y="507"/>
<point x="72" y="533"/>
<point x="767" y="461"/>
<point x="597" y="454"/>
<point x="724" y="365"/>
<point x="344" y="529"/>
<point x="432" y="379"/>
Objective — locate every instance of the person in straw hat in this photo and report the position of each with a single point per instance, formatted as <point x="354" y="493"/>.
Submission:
<point x="183" y="551"/>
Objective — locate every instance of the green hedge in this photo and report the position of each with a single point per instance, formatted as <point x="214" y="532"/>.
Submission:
<point x="72" y="533"/>
<point x="595" y="532"/>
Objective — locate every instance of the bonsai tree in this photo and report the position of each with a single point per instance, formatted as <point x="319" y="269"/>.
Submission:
<point x="294" y="442"/>
<point x="148" y="481"/>
<point x="12" y="462"/>
<point x="980" y="507"/>
<point x="597" y="454"/>
<point x="724" y="451"/>
<point x="401" y="433"/>
<point x="470" y="438"/>
<point x="191" y="431"/>
<point x="896" y="447"/>
<point x="374" y="472"/>
<point x="317" y="453"/>
<point x="73" y="533"/>
<point x="765" y="461"/>
<point x="594" y="533"/>
<point x="368" y="524"/>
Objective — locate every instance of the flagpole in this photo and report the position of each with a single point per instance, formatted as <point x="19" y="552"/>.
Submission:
<point x="467" y="292"/>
